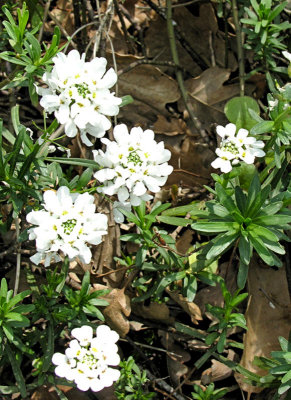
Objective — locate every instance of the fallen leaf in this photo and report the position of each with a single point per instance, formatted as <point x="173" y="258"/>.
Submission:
<point x="150" y="88"/>
<point x="118" y="310"/>
<point x="154" y="312"/>
<point x="189" y="307"/>
<point x="268" y="317"/>
<point x="176" y="357"/>
<point x="191" y="164"/>
<point x="218" y="371"/>
<point x="170" y="126"/>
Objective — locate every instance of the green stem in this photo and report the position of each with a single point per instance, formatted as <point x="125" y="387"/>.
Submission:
<point x="239" y="43"/>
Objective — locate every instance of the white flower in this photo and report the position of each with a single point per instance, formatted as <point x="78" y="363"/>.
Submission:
<point x="235" y="148"/>
<point x="88" y="359"/>
<point x="68" y="223"/>
<point x="132" y="164"/>
<point x="78" y="95"/>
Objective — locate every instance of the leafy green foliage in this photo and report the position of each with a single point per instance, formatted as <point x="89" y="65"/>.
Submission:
<point x="253" y="220"/>
<point x="238" y="111"/>
<point x="132" y="382"/>
<point x="264" y="32"/>
<point x="209" y="394"/>
<point x="278" y="367"/>
<point x="27" y="52"/>
<point x="226" y="318"/>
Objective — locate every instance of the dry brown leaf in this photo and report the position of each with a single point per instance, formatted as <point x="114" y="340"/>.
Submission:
<point x="175" y="362"/>
<point x="157" y="43"/>
<point x="184" y="242"/>
<point x="118" y="310"/>
<point x="200" y="29"/>
<point x="191" y="164"/>
<point x="170" y="126"/>
<point x="150" y="88"/>
<point x="103" y="254"/>
<point x="153" y="312"/>
<point x="63" y="12"/>
<point x="189" y="307"/>
<point x="218" y="371"/>
<point x="268" y="317"/>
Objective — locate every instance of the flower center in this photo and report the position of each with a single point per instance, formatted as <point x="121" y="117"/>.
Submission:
<point x="134" y="158"/>
<point x="229" y="146"/>
<point x="69" y="225"/>
<point x="90" y="361"/>
<point x="82" y="89"/>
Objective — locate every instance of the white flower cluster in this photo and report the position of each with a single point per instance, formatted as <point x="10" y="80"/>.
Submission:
<point x="67" y="223"/>
<point x="86" y="361"/>
<point x="78" y="94"/>
<point x="132" y="164"/>
<point x="235" y="148"/>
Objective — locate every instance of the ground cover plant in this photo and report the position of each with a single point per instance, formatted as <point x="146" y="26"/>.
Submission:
<point x="145" y="199"/>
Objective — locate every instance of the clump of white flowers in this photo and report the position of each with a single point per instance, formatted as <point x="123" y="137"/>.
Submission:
<point x="236" y="147"/>
<point x="132" y="164"/>
<point x="78" y="95"/>
<point x="68" y="223"/>
<point x="87" y="359"/>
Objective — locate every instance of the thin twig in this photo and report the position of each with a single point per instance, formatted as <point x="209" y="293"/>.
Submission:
<point x="128" y="40"/>
<point x="239" y="43"/>
<point x="145" y="61"/>
<point x="53" y="136"/>
<point x="45" y="14"/>
<point x="203" y="64"/>
<point x="179" y="75"/>
<point x="146" y="346"/>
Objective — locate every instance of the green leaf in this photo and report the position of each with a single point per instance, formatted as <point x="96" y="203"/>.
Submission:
<point x="74" y="161"/>
<point x="274" y="220"/>
<point x="173" y="220"/>
<point x="211" y="227"/>
<point x="16" y="371"/>
<point x="245" y="249"/>
<point x="125" y="100"/>
<point x="242" y="274"/>
<point x="221" y="341"/>
<point x="225" y="199"/>
<point x="237" y="112"/>
<point x="221" y="243"/>
<point x="262" y="127"/>
<point x="167" y="280"/>
<point x="263" y="252"/>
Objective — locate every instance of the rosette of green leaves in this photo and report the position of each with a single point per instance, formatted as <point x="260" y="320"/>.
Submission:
<point x="248" y="221"/>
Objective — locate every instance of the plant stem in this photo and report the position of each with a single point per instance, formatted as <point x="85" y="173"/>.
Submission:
<point x="18" y="259"/>
<point x="239" y="43"/>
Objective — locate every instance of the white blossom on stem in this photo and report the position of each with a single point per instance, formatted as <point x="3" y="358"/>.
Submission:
<point x="131" y="165"/>
<point x="78" y="95"/>
<point x="236" y="147"/>
<point x="68" y="223"/>
<point x="88" y="360"/>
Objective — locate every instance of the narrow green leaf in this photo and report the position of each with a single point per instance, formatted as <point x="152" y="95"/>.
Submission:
<point x="211" y="227"/>
<point x="221" y="243"/>
<point x="16" y="371"/>
<point x="173" y="220"/>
